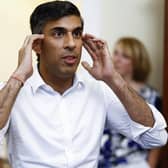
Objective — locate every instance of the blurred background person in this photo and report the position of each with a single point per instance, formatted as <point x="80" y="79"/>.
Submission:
<point x="131" y="60"/>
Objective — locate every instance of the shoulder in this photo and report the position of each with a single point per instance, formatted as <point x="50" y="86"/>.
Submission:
<point x="152" y="96"/>
<point x="149" y="92"/>
<point x="97" y="87"/>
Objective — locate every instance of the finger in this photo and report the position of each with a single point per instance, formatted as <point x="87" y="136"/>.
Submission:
<point x="88" y="36"/>
<point x="86" y="66"/>
<point x="92" y="54"/>
<point x="102" y="46"/>
<point x="91" y="44"/>
<point x="25" y="41"/>
<point x="95" y="43"/>
<point x="94" y="38"/>
<point x="34" y="37"/>
<point x="30" y="39"/>
<point x="96" y="53"/>
<point x="99" y="44"/>
<point x="27" y="46"/>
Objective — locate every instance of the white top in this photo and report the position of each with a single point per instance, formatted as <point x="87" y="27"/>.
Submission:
<point x="49" y="130"/>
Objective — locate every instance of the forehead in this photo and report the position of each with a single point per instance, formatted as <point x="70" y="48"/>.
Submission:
<point x="124" y="48"/>
<point x="68" y="22"/>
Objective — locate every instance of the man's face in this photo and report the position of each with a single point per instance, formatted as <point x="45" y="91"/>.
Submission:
<point x="61" y="47"/>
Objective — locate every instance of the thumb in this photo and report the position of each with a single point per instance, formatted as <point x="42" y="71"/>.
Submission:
<point x="87" y="66"/>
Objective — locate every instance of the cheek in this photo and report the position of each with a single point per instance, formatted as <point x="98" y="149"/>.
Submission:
<point x="79" y="45"/>
<point x="51" y="43"/>
<point x="50" y="51"/>
<point x="80" y="50"/>
<point x="128" y="66"/>
<point x="114" y="58"/>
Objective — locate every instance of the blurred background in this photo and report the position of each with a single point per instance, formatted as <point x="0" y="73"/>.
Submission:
<point x="109" y="19"/>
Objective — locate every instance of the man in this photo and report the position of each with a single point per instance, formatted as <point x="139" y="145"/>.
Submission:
<point x="53" y="116"/>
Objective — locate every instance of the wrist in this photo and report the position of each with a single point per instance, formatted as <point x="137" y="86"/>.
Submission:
<point x="19" y="76"/>
<point x="115" y="81"/>
<point x="13" y="76"/>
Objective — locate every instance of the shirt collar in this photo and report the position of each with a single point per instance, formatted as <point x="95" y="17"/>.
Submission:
<point x="37" y="82"/>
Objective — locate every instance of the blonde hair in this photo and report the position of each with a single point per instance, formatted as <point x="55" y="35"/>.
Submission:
<point x="137" y="52"/>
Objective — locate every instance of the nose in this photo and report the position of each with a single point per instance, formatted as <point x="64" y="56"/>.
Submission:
<point x="69" y="42"/>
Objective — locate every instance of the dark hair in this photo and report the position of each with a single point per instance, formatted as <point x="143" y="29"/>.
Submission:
<point x="51" y="11"/>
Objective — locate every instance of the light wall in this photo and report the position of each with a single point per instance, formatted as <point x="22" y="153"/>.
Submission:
<point x="109" y="19"/>
<point x="14" y="27"/>
<point x="143" y="19"/>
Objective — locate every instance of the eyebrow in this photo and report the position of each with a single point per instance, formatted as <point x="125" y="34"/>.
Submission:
<point x="62" y="29"/>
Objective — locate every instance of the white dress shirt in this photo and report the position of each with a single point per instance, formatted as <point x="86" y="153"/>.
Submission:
<point x="49" y="130"/>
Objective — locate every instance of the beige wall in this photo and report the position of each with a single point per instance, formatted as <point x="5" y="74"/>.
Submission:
<point x="143" y="19"/>
<point x="110" y="19"/>
<point x="14" y="26"/>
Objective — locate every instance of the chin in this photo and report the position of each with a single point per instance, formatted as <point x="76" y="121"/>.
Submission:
<point x="71" y="70"/>
<point x="68" y="74"/>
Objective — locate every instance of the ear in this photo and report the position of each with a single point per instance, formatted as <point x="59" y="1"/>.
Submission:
<point x="37" y="46"/>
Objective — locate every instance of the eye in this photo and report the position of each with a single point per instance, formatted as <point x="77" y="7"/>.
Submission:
<point x="77" y="34"/>
<point x="58" y="33"/>
<point x="115" y="52"/>
<point x="121" y="54"/>
<point x="125" y="56"/>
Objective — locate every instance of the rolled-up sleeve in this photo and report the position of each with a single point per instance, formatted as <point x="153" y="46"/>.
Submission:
<point x="151" y="137"/>
<point x="147" y="137"/>
<point x="3" y="131"/>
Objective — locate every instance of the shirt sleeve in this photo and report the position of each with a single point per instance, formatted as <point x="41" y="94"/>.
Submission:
<point x="119" y="120"/>
<point x="155" y="136"/>
<point x="3" y="131"/>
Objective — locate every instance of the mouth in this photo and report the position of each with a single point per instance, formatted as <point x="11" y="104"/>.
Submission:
<point x="70" y="59"/>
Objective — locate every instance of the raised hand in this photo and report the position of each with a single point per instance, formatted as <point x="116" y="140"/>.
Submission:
<point x="102" y="68"/>
<point x="25" y="68"/>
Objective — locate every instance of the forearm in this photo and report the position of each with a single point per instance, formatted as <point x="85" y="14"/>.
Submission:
<point x="136" y="107"/>
<point x="104" y="70"/>
<point x="153" y="157"/>
<point x="24" y="70"/>
<point x="7" y="98"/>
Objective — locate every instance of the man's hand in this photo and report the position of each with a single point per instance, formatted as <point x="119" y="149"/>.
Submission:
<point x="102" y="68"/>
<point x="25" y="68"/>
